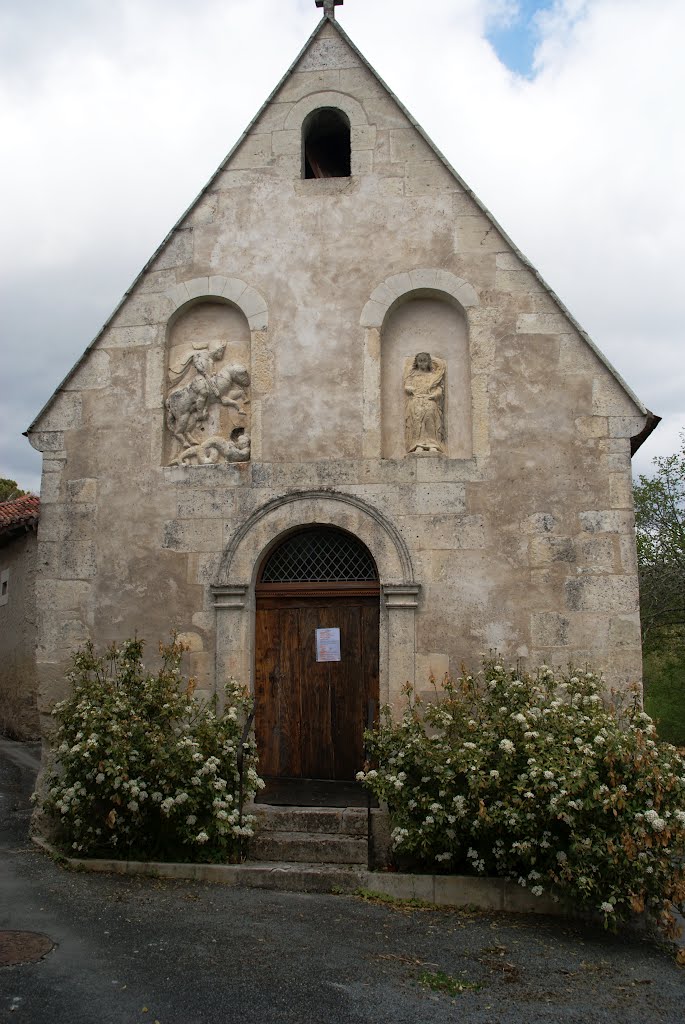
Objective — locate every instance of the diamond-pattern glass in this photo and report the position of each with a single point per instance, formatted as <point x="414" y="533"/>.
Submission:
<point x="320" y="556"/>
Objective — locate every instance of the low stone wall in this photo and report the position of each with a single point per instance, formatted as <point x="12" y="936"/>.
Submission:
<point x="443" y="890"/>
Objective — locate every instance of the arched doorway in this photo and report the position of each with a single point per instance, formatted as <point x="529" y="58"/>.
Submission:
<point x="316" y="662"/>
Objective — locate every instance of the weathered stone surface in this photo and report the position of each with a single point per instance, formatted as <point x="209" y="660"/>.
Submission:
<point x="541" y="323"/>
<point x="592" y="426"/>
<point x="626" y="426"/>
<point x="606" y="522"/>
<point x="177" y="252"/>
<point x="193" y="534"/>
<point x="602" y="593"/>
<point x="450" y="532"/>
<point x="610" y="399"/>
<point x="300" y="847"/>
<point x="624" y="631"/>
<point x="598" y="553"/>
<point x="551" y="549"/>
<point x="93" y="373"/>
<point x="82" y="490"/>
<point x="621" y="490"/>
<point x="431" y="667"/>
<point x="549" y="629"/>
<point x="64" y="413"/>
<point x="131" y="337"/>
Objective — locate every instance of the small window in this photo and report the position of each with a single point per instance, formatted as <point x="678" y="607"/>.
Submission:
<point x="4" y="586"/>
<point x="326" y="143"/>
<point x="320" y="555"/>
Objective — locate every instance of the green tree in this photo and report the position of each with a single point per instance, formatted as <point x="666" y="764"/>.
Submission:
<point x="660" y="522"/>
<point x="9" y="490"/>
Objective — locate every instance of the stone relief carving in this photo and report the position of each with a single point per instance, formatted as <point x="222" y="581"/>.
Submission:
<point x="188" y="405"/>
<point x="214" y="450"/>
<point x="424" y="411"/>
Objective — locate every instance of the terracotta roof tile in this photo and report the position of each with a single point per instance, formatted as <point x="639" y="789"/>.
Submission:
<point x="20" y="512"/>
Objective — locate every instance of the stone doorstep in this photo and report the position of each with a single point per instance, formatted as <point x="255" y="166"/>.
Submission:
<point x="308" y="848"/>
<point x="347" y="821"/>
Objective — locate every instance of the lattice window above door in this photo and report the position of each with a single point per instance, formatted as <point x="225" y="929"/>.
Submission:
<point x="320" y="556"/>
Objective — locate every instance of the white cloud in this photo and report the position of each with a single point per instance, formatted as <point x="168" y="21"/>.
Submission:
<point x="116" y="113"/>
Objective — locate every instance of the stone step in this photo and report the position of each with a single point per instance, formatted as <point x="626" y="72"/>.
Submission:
<point x="303" y="847"/>
<point x="346" y="821"/>
<point x="302" y="877"/>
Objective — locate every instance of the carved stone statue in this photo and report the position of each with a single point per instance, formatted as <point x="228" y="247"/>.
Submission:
<point x="211" y="451"/>
<point x="188" y="406"/>
<point x="424" y="417"/>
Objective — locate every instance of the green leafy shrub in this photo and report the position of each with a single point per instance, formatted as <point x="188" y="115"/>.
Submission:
<point x="664" y="677"/>
<point x="536" y="779"/>
<point x="141" y="768"/>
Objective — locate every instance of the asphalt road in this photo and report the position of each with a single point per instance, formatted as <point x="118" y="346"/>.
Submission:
<point x="140" y="951"/>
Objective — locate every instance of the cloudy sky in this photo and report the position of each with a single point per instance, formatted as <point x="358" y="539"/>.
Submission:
<point x="565" y="117"/>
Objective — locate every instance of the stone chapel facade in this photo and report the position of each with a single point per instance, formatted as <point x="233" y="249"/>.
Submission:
<point x="338" y="397"/>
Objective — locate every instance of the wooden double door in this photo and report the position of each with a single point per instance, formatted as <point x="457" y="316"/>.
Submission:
<point x="310" y="715"/>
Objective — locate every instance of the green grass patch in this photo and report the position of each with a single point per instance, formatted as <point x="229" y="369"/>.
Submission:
<point x="382" y="898"/>
<point x="438" y="981"/>
<point x="664" y="681"/>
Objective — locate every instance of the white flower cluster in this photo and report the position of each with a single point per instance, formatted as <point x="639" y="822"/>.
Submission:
<point x="654" y="821"/>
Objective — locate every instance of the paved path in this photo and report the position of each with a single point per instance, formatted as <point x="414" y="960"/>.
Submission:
<point x="136" y="951"/>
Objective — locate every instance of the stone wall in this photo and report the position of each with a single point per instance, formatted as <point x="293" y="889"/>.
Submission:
<point x="18" y="680"/>
<point x="519" y="539"/>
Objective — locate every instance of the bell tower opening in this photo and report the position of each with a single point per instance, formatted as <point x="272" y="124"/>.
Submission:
<point x="326" y="144"/>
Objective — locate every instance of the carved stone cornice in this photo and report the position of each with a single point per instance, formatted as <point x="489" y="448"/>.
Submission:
<point x="230" y="596"/>
<point x="402" y="595"/>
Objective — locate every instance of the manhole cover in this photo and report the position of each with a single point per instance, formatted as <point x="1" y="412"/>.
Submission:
<point x="23" y="947"/>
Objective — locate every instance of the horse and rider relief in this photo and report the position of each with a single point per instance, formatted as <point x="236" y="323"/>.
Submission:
<point x="200" y="385"/>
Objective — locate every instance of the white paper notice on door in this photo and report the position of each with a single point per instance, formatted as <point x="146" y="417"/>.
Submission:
<point x="328" y="644"/>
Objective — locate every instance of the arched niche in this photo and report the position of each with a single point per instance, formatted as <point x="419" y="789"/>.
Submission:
<point x="425" y="321"/>
<point x="378" y="321"/>
<point x="216" y="332"/>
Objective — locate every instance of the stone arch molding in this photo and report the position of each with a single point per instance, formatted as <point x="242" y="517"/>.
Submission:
<point x="234" y="594"/>
<point x="315" y="101"/>
<point x="223" y="289"/>
<point x="330" y="508"/>
<point x="400" y="287"/>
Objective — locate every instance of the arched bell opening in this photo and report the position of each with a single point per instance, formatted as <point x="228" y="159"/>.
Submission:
<point x="326" y="144"/>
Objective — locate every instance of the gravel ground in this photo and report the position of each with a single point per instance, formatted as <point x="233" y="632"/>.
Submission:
<point x="132" y="950"/>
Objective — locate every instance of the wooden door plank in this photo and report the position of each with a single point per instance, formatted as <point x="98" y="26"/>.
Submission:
<point x="268" y="689"/>
<point x="346" y="701"/>
<point x="316" y="735"/>
<point x="290" y="762"/>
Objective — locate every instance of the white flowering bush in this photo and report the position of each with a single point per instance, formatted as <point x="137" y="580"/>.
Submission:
<point x="537" y="779"/>
<point x="141" y="768"/>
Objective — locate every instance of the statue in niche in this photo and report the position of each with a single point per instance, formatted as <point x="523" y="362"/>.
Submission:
<point x="187" y="406"/>
<point x="424" y="416"/>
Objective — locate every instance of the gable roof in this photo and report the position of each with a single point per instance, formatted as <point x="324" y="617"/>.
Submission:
<point x="19" y="515"/>
<point x="652" y="419"/>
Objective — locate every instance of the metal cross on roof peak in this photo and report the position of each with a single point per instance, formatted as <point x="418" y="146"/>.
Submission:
<point x="329" y="6"/>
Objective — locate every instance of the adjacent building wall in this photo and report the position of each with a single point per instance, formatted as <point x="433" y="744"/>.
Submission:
<point x="18" y="675"/>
